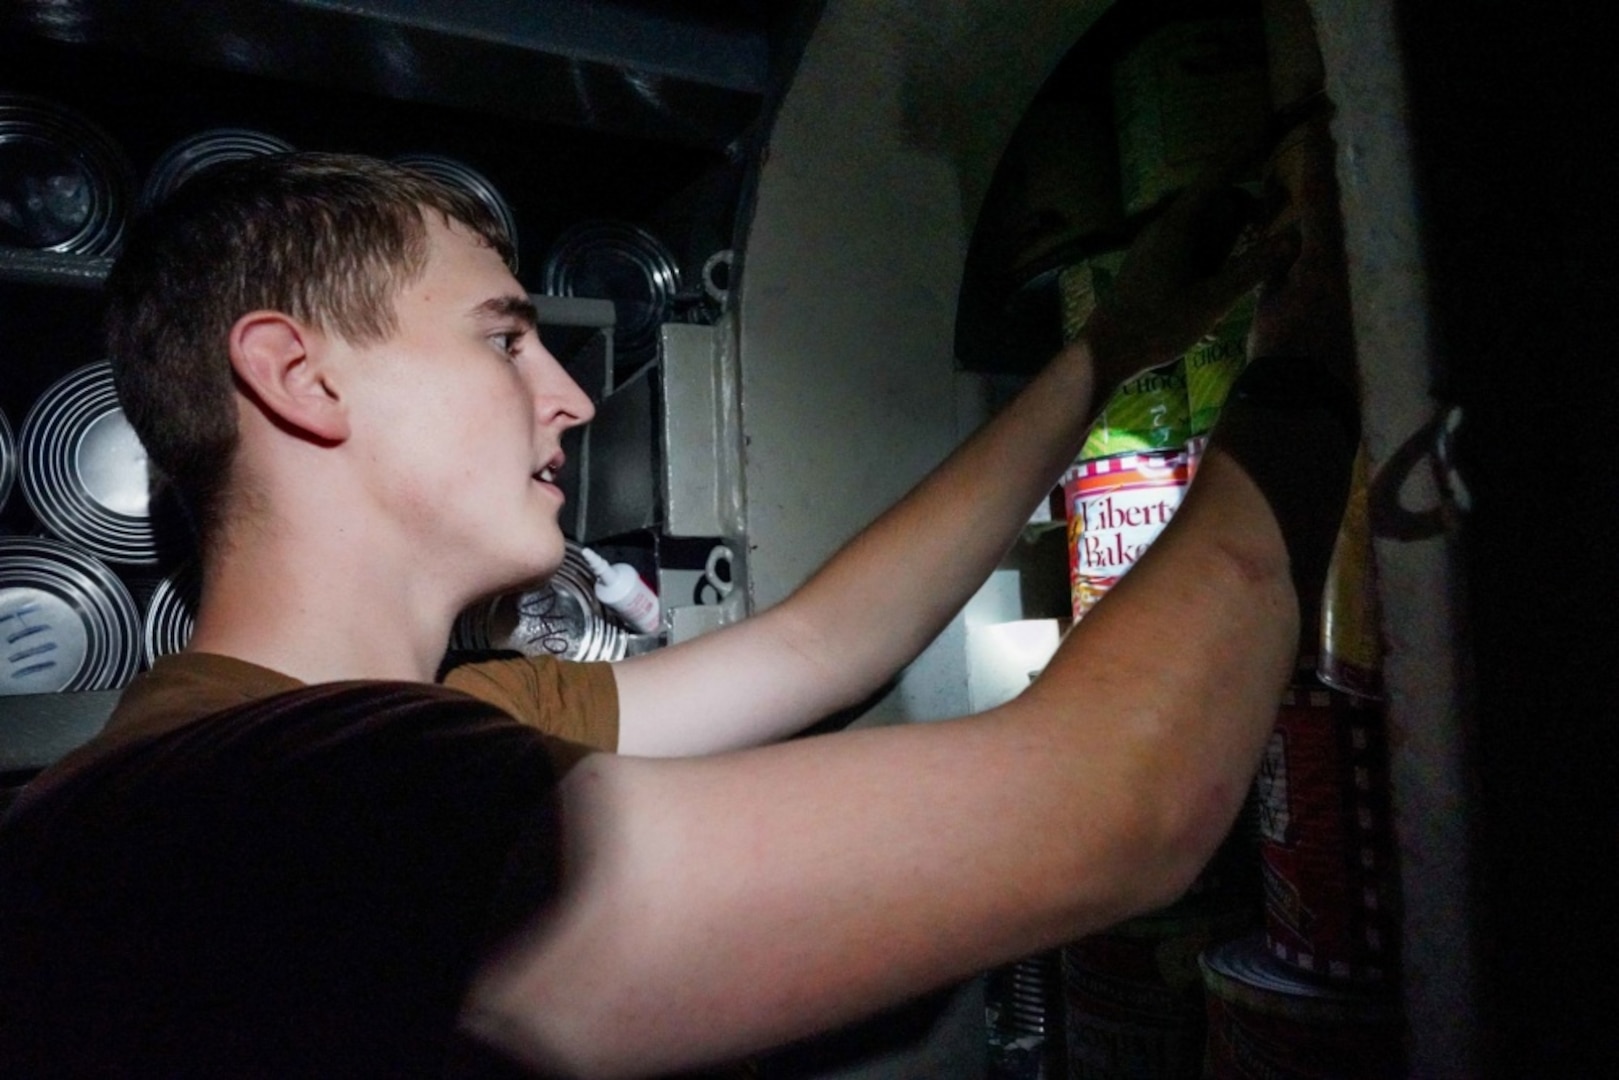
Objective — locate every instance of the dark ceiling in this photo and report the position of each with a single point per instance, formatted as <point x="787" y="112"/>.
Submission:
<point x="685" y="71"/>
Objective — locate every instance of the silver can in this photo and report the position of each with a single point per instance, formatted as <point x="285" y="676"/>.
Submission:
<point x="84" y="471"/>
<point x="559" y="617"/>
<point x="66" y="621"/>
<point x="65" y="185"/>
<point x="196" y="154"/>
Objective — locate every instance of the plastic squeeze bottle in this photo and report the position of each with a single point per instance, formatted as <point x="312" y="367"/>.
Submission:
<point x="621" y="589"/>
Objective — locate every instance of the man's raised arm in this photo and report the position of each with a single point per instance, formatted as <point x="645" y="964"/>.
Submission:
<point x="888" y="592"/>
<point x="713" y="907"/>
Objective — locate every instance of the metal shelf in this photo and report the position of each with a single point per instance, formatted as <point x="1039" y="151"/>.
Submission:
<point x="26" y="267"/>
<point x="37" y="729"/>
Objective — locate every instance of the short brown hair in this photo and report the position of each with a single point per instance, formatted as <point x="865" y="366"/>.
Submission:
<point x="330" y="239"/>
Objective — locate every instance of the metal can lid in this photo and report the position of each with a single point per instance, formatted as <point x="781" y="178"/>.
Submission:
<point x="84" y="471"/>
<point x="65" y="185"/>
<point x="617" y="261"/>
<point x="1244" y="972"/>
<point x="66" y="621"/>
<point x="559" y="617"/>
<point x="8" y="460"/>
<point x="171" y="613"/>
<point x="196" y="154"/>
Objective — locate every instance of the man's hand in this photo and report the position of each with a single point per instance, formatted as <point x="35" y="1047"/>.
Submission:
<point x="1178" y="279"/>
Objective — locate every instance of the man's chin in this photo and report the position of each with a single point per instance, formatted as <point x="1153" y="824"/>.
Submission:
<point x="542" y="563"/>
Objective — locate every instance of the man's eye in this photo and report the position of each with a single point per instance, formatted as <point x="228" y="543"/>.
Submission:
<point x="509" y="342"/>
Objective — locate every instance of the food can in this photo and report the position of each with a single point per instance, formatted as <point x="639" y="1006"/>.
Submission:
<point x="1326" y="840"/>
<point x="559" y="617"/>
<point x="1023" y="1014"/>
<point x="65" y="185"/>
<point x="170" y="614"/>
<point x="1351" y="637"/>
<point x="205" y="150"/>
<point x="1266" y="1022"/>
<point x="1182" y="99"/>
<point x="66" y="621"/>
<point x="624" y="263"/>
<point x="1116" y="508"/>
<point x="84" y="471"/>
<point x="8" y="460"/>
<point x="1134" y="996"/>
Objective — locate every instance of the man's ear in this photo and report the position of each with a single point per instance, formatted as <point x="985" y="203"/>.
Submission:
<point x="284" y="366"/>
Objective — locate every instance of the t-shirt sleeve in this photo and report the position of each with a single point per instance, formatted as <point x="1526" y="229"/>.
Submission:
<point x="574" y="702"/>
<point x="299" y="887"/>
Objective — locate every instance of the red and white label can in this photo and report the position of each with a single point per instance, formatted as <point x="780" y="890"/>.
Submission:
<point x="1116" y="507"/>
<point x="1326" y="844"/>
<point x="1265" y="1022"/>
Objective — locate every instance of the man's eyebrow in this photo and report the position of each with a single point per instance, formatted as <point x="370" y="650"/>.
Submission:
<point x="509" y="307"/>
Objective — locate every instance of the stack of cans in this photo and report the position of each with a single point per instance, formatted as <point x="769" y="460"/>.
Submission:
<point x="71" y="621"/>
<point x="196" y="154"/>
<point x="1315" y="993"/>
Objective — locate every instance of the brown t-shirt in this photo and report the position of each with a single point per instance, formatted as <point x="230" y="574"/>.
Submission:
<point x="575" y="705"/>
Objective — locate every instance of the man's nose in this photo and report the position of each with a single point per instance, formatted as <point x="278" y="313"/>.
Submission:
<point x="560" y="399"/>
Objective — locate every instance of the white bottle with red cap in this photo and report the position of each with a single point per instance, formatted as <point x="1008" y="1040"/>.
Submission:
<point x="621" y="589"/>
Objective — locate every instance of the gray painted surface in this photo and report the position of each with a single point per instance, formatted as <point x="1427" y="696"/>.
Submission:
<point x="874" y="173"/>
<point x="875" y="169"/>
<point x="1420" y="579"/>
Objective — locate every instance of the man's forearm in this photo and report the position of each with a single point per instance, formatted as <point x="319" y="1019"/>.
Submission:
<point x="863" y="868"/>
<point x="899" y="581"/>
<point x="879" y="600"/>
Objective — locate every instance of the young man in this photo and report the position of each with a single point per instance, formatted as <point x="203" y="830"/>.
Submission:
<point x="289" y="854"/>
